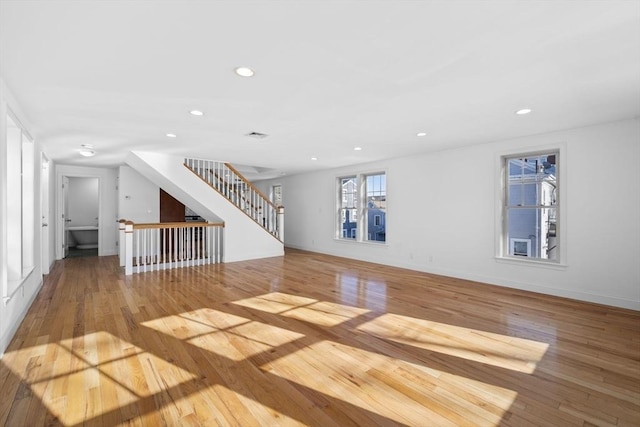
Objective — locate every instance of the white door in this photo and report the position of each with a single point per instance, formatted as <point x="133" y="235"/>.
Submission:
<point x="65" y="215"/>
<point x="44" y="208"/>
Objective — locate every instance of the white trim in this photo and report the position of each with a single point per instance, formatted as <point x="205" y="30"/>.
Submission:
<point x="500" y="239"/>
<point x="12" y="328"/>
<point x="361" y="219"/>
<point x="59" y="221"/>
<point x="512" y="246"/>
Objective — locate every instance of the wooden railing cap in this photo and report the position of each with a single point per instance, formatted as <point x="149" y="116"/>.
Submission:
<point x="151" y="225"/>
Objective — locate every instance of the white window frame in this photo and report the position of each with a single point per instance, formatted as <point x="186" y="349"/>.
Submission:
<point x="512" y="246"/>
<point x="360" y="213"/>
<point x="501" y="243"/>
<point x="276" y="194"/>
<point x="20" y="221"/>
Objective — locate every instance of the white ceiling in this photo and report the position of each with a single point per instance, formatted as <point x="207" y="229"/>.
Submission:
<point x="330" y="75"/>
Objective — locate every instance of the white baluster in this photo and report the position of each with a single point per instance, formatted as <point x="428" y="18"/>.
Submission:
<point x="121" y="243"/>
<point x="281" y="223"/>
<point x="128" y="251"/>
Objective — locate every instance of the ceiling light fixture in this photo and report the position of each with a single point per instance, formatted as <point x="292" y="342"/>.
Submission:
<point x="357" y="149"/>
<point x="314" y="158"/>
<point x="523" y="111"/>
<point x="86" y="152"/>
<point x="171" y="135"/>
<point x="421" y="134"/>
<point x="196" y="113"/>
<point x="257" y="135"/>
<point x="244" y="72"/>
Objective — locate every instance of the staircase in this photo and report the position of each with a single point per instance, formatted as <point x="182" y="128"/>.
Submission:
<point x="253" y="226"/>
<point x="227" y="181"/>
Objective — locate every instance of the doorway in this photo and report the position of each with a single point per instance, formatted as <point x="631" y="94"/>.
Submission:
<point x="45" y="258"/>
<point x="80" y="218"/>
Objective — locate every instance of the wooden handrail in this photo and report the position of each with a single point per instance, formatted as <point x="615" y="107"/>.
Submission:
<point x="240" y="192"/>
<point x="234" y="189"/>
<point x="234" y="170"/>
<point x="176" y="225"/>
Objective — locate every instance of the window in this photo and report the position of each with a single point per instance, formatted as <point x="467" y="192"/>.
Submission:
<point x="276" y="195"/>
<point x="531" y="206"/>
<point x="348" y="203"/>
<point x="376" y="190"/>
<point x="369" y="194"/>
<point x="20" y="218"/>
<point x="520" y="247"/>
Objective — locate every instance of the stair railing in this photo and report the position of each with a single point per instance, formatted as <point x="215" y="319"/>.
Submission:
<point x="230" y="183"/>
<point x="160" y="246"/>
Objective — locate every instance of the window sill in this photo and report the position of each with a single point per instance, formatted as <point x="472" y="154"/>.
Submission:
<point x="13" y="286"/>
<point x="531" y="263"/>
<point x="357" y="242"/>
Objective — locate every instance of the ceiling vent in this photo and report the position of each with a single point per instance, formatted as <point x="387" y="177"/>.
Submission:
<point x="257" y="135"/>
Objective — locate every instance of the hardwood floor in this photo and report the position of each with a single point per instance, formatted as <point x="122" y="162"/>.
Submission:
<point x="309" y="339"/>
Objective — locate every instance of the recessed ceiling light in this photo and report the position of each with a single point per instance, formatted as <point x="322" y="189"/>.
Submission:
<point x="357" y="149"/>
<point x="523" y="111"/>
<point x="86" y="145"/>
<point x="171" y="135"/>
<point x="421" y="134"/>
<point x="314" y="158"/>
<point x="196" y="113"/>
<point x="87" y="152"/>
<point x="244" y="72"/>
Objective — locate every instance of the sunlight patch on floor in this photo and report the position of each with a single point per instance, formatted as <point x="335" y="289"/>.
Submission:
<point x="325" y="313"/>
<point x="224" y="334"/>
<point x="321" y="313"/>
<point x="275" y="302"/>
<point x="79" y="385"/>
<point x="517" y="354"/>
<point x="195" y="323"/>
<point x="381" y="384"/>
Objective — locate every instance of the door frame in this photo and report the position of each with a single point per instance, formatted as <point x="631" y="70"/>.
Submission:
<point x="60" y="223"/>
<point x="45" y="233"/>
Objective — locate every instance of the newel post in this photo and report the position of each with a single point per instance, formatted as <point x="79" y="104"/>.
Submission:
<point x="128" y="251"/>
<point x="121" y="243"/>
<point x="280" y="223"/>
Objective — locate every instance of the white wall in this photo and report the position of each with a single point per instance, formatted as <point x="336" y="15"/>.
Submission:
<point x="108" y="206"/>
<point x="47" y="192"/>
<point x="442" y="210"/>
<point x="13" y="311"/>
<point x="243" y="238"/>
<point x="138" y="198"/>
<point x="83" y="198"/>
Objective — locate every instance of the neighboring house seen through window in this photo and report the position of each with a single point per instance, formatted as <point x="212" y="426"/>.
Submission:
<point x="376" y="193"/>
<point x="348" y="203"/>
<point x="531" y="206"/>
<point x="372" y="200"/>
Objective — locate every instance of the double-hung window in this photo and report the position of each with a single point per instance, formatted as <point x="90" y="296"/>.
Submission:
<point x="20" y="219"/>
<point x="376" y="195"/>
<point x="362" y="205"/>
<point x="531" y="206"/>
<point x="348" y="207"/>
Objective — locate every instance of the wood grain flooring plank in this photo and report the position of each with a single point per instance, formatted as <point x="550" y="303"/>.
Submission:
<point x="313" y="340"/>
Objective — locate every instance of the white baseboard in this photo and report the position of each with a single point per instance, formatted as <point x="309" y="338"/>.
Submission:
<point x="524" y="286"/>
<point x="10" y="332"/>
